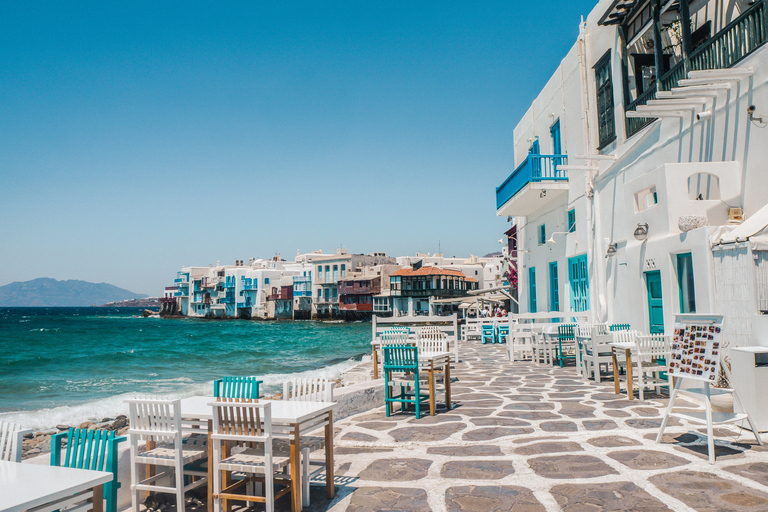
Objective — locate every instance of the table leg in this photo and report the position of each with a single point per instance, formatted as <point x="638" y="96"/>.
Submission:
<point x="330" y="486"/>
<point x="431" y="373"/>
<point x="210" y="466"/>
<point x="447" y="377"/>
<point x="616" y="388"/>
<point x="295" y="470"/>
<point x="375" y="358"/>
<point x="98" y="498"/>
<point x="630" y="391"/>
<point x="149" y="469"/>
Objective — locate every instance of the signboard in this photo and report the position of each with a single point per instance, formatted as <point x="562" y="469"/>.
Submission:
<point x="696" y="347"/>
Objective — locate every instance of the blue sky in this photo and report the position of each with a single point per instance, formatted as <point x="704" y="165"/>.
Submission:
<point x="140" y="137"/>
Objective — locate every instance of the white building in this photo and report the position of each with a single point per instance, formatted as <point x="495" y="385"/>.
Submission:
<point x="627" y="177"/>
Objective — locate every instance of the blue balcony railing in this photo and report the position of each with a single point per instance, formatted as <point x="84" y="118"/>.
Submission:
<point x="535" y="168"/>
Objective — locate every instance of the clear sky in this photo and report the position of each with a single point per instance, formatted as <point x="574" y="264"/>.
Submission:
<point x="136" y="138"/>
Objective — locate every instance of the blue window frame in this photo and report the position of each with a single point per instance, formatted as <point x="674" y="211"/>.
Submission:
<point x="554" y="288"/>
<point x="554" y="131"/>
<point x="572" y="220"/>
<point x="542" y="234"/>
<point x="532" y="290"/>
<point x="579" y="281"/>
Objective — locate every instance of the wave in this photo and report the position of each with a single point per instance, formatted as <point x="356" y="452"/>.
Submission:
<point x="181" y="387"/>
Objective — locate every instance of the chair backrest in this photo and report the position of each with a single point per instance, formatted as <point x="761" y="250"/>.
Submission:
<point x="432" y="339"/>
<point x="308" y="390"/>
<point x="155" y="419"/>
<point x="86" y="449"/>
<point x="488" y="328"/>
<point x="624" y="336"/>
<point x="401" y="358"/>
<point x="583" y="330"/>
<point x="566" y="332"/>
<point x="11" y="439"/>
<point x="242" y="422"/>
<point x="654" y="345"/>
<point x="395" y="336"/>
<point x="236" y="387"/>
<point x="619" y="327"/>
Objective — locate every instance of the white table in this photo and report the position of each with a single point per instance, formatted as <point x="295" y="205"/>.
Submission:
<point x="299" y="417"/>
<point x="26" y="486"/>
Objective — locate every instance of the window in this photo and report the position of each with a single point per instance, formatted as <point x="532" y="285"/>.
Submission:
<point x="266" y="280"/>
<point x="335" y="273"/>
<point x="542" y="234"/>
<point x="554" y="289"/>
<point x="554" y="131"/>
<point x="327" y="273"/>
<point x="646" y="199"/>
<point x="343" y="270"/>
<point x="572" y="221"/>
<point x="703" y="186"/>
<point x="685" y="283"/>
<point x="605" y="121"/>
<point x="532" y="290"/>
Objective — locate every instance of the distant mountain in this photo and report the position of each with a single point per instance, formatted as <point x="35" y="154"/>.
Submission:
<point x="50" y="292"/>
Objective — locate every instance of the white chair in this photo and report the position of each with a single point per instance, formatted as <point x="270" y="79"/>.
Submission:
<point x="309" y="390"/>
<point x="596" y="349"/>
<point x="158" y="423"/>
<point x="650" y="350"/>
<point x="520" y="342"/>
<point x="11" y="441"/>
<point x="242" y="443"/>
<point x="431" y="340"/>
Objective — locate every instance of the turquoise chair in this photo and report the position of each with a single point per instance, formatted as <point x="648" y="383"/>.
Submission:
<point x="236" y="387"/>
<point x="404" y="360"/>
<point x="488" y="333"/>
<point x="90" y="449"/>
<point x="619" y="327"/>
<point x="565" y="333"/>
<point x="503" y="333"/>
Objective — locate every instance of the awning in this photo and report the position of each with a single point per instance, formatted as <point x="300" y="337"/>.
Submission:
<point x="754" y="229"/>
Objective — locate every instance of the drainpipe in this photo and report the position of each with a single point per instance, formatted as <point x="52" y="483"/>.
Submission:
<point x="589" y="192"/>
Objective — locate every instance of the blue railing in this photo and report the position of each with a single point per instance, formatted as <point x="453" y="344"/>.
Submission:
<point x="535" y="168"/>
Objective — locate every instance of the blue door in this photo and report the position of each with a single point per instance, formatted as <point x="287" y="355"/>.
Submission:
<point x="554" y="130"/>
<point x="579" y="283"/>
<point x="535" y="162"/>
<point x="554" y="288"/>
<point x="655" y="303"/>
<point x="532" y="290"/>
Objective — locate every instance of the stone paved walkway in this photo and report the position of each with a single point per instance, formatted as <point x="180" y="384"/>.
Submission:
<point x="525" y="437"/>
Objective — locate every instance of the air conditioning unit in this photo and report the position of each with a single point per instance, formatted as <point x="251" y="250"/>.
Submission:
<point x="735" y="215"/>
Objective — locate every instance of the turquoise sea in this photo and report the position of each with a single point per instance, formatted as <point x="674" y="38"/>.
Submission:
<point x="65" y="365"/>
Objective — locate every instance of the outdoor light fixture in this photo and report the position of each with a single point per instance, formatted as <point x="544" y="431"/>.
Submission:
<point x="543" y="194"/>
<point x="611" y="250"/>
<point x="641" y="232"/>
<point x="552" y="237"/>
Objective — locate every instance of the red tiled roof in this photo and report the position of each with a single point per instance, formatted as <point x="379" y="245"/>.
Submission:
<point x="428" y="271"/>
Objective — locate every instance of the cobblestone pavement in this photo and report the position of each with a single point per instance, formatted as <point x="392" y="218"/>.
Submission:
<point x="524" y="437"/>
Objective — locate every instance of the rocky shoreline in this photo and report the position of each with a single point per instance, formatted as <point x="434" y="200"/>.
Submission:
<point x="38" y="443"/>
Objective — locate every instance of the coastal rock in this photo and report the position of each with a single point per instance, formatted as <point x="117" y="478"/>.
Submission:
<point x="61" y="427"/>
<point x="85" y="424"/>
<point x="119" y="423"/>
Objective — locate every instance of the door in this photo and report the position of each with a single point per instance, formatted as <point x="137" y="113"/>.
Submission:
<point x="655" y="305"/>
<point x="554" y="288"/>
<point x="578" y="278"/>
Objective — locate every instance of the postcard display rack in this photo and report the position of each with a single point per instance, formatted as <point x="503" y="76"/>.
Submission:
<point x="695" y="355"/>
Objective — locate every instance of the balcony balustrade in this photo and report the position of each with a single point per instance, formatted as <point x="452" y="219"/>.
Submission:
<point x="536" y="181"/>
<point x="725" y="49"/>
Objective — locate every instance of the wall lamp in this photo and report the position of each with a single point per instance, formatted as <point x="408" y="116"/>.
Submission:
<point x="611" y="250"/>
<point x="543" y="194"/>
<point x="641" y="232"/>
<point x="755" y="118"/>
<point x="552" y="237"/>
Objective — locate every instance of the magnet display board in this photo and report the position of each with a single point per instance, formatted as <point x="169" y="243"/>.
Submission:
<point x="696" y="347"/>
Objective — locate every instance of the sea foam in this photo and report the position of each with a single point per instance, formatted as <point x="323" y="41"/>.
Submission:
<point x="97" y="410"/>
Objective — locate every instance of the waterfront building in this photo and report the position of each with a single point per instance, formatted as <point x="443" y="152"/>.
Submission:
<point x="640" y="188"/>
<point x="364" y="289"/>
<point x="487" y="270"/>
<point x="329" y="270"/>
<point x="414" y="288"/>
